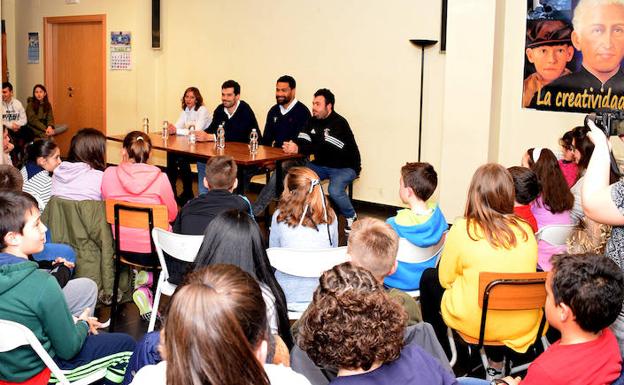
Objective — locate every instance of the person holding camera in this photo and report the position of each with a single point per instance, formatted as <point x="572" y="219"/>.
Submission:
<point x="604" y="203"/>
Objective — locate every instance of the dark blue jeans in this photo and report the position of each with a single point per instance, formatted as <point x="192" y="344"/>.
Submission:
<point x="339" y="179"/>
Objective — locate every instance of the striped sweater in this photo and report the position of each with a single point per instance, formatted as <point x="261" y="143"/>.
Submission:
<point x="39" y="186"/>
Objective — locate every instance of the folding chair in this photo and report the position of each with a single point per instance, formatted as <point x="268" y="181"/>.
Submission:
<point x="178" y="246"/>
<point x="309" y="263"/>
<point x="14" y="335"/>
<point x="138" y="216"/>
<point x="410" y="255"/>
<point x="509" y="292"/>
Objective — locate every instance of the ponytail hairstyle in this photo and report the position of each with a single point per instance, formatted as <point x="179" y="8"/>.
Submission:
<point x="43" y="103"/>
<point x="138" y="146"/>
<point x="556" y="194"/>
<point x="303" y="202"/>
<point x="88" y="146"/>
<point x="215" y="324"/>
<point x="489" y="208"/>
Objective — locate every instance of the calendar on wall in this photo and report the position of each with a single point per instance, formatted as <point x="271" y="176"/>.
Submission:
<point x="121" y="50"/>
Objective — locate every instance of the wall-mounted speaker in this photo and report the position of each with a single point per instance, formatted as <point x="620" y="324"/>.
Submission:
<point x="156" y="24"/>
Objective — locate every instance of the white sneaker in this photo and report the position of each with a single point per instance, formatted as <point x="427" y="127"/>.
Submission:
<point x="349" y="223"/>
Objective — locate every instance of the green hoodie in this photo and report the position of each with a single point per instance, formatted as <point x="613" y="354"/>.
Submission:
<point x="34" y="299"/>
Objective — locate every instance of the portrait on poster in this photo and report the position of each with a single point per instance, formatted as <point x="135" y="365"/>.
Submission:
<point x="573" y="55"/>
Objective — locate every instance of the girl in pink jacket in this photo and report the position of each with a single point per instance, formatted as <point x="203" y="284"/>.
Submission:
<point x="136" y="181"/>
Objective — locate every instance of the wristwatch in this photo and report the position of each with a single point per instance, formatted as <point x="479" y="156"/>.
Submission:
<point x="498" y="381"/>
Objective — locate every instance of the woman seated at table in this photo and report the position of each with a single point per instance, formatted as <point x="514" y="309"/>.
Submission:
<point x="194" y="114"/>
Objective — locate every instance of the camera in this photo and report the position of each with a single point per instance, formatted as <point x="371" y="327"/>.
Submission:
<point x="609" y="121"/>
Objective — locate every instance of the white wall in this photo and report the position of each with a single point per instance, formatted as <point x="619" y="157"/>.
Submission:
<point x="358" y="48"/>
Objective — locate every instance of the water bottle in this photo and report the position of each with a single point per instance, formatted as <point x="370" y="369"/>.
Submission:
<point x="220" y="136"/>
<point x="253" y="141"/>
<point x="146" y="125"/>
<point x="165" y="130"/>
<point x="191" y="136"/>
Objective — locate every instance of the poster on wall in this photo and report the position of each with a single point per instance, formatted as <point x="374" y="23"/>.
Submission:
<point x="33" y="47"/>
<point x="121" y="50"/>
<point x="573" y="55"/>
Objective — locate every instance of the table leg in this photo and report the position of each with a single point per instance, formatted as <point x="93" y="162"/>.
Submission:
<point x="279" y="180"/>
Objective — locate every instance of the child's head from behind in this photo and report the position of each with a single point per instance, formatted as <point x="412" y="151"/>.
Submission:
<point x="136" y="147"/>
<point x="303" y="196"/>
<point x="567" y="146"/>
<point x="490" y="205"/>
<point x="352" y="323"/>
<point x="221" y="173"/>
<point x="89" y="146"/>
<point x="525" y="183"/>
<point x="45" y="153"/>
<point x="587" y="289"/>
<point x="556" y="194"/>
<point x="21" y="230"/>
<point x="373" y="245"/>
<point x="10" y="178"/>
<point x="226" y="347"/>
<point x="418" y="180"/>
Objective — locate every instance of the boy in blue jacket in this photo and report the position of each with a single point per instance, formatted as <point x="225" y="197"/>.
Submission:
<point x="423" y="224"/>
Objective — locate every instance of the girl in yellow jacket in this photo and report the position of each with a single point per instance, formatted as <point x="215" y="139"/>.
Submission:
<point x="490" y="238"/>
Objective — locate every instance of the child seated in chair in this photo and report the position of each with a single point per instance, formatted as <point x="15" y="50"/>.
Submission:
<point x="57" y="258"/>
<point x="584" y="295"/>
<point x="33" y="299"/>
<point x="527" y="189"/>
<point x="196" y="215"/>
<point x="134" y="180"/>
<point x="423" y="224"/>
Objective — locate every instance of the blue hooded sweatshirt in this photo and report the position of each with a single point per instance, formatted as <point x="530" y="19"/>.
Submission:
<point x="424" y="234"/>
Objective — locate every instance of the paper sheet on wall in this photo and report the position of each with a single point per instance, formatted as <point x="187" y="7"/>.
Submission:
<point x="121" y="50"/>
<point x="33" y="47"/>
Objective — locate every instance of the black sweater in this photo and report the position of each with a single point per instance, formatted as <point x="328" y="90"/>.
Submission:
<point x="237" y="128"/>
<point x="282" y="128"/>
<point x="331" y="141"/>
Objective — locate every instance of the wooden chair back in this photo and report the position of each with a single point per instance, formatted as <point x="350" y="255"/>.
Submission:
<point x="512" y="291"/>
<point x="135" y="218"/>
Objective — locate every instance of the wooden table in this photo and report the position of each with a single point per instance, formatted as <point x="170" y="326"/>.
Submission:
<point x="206" y="150"/>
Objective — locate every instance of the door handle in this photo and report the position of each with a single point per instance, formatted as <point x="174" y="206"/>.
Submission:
<point x="70" y="90"/>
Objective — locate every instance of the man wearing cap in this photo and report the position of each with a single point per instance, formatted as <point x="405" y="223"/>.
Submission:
<point x="599" y="35"/>
<point x="549" y="49"/>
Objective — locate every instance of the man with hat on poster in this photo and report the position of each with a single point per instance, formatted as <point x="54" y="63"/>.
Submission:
<point x="599" y="35"/>
<point x="549" y="49"/>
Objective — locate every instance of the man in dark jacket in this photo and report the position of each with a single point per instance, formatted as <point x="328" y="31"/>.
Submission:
<point x="237" y="119"/>
<point x="329" y="138"/>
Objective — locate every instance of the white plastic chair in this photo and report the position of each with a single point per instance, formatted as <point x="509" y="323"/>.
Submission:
<point x="305" y="263"/>
<point x="14" y="335"/>
<point x="556" y="235"/>
<point x="410" y="253"/>
<point x="178" y="246"/>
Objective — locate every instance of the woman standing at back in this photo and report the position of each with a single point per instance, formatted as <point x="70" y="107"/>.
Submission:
<point x="490" y="238"/>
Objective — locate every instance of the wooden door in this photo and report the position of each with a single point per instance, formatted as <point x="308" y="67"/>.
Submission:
<point x="75" y="63"/>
